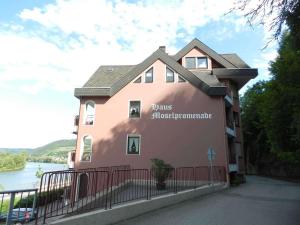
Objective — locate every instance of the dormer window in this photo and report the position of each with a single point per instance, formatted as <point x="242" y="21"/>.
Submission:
<point x="149" y="76"/>
<point x="134" y="109"/>
<point x="196" y="62"/>
<point x="169" y="76"/>
<point x="202" y="62"/>
<point x="89" y="113"/>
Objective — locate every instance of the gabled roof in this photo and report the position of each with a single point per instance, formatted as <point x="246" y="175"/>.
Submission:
<point x="108" y="80"/>
<point x="235" y="60"/>
<point x="198" y="44"/>
<point x="174" y="65"/>
<point x="106" y="76"/>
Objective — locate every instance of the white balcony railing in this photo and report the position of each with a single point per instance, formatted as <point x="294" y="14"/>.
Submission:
<point x="228" y="101"/>
<point x="230" y="131"/>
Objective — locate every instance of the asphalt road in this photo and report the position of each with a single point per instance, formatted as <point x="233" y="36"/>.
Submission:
<point x="261" y="201"/>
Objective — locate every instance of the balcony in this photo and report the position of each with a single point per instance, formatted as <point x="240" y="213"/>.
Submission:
<point x="76" y="122"/>
<point x="228" y="98"/>
<point x="230" y="129"/>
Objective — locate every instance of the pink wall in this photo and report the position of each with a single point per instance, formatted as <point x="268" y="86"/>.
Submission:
<point x="180" y="143"/>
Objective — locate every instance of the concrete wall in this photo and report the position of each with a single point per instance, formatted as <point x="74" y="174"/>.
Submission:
<point x="123" y="212"/>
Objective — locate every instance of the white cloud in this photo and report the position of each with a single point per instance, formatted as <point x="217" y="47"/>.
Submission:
<point x="75" y="37"/>
<point x="59" y="46"/>
<point x="28" y="125"/>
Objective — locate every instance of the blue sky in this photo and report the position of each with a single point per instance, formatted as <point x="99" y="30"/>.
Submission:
<point x="50" y="47"/>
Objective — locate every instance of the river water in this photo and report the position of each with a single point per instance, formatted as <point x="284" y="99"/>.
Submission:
<point x="24" y="179"/>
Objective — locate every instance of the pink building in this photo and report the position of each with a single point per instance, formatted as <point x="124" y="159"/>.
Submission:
<point x="171" y="107"/>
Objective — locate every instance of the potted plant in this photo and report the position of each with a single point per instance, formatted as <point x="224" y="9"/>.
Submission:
<point x="161" y="171"/>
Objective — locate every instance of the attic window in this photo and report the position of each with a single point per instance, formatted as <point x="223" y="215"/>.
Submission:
<point x="190" y="62"/>
<point x="196" y="62"/>
<point x="169" y="76"/>
<point x="202" y="62"/>
<point x="149" y="76"/>
<point x="138" y="80"/>
<point x="180" y="79"/>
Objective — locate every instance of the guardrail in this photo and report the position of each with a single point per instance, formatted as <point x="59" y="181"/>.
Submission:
<point x="71" y="192"/>
<point x="18" y="206"/>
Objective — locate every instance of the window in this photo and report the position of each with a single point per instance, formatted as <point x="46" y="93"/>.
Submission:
<point x="180" y="79"/>
<point x="149" y="76"/>
<point x="202" y="62"/>
<point x="190" y="62"/>
<point x="134" y="109"/>
<point x="196" y="62"/>
<point x="89" y="113"/>
<point x="86" y="149"/>
<point x="138" y="80"/>
<point x="169" y="75"/>
<point x="133" y="144"/>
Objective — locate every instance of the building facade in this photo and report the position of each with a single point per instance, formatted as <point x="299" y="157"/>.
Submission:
<point x="173" y="108"/>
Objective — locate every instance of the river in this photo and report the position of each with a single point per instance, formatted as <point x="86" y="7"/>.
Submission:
<point x="23" y="179"/>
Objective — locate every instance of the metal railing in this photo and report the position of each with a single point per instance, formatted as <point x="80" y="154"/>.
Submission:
<point x="71" y="192"/>
<point x="18" y="206"/>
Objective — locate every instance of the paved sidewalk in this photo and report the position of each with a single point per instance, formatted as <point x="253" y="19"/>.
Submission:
<point x="261" y="201"/>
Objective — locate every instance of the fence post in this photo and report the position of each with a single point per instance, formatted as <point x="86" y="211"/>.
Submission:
<point x="175" y="180"/>
<point x="194" y="174"/>
<point x="107" y="188"/>
<point x="111" y="187"/>
<point x="46" y="199"/>
<point x="34" y="201"/>
<point x="148" y="198"/>
<point x="11" y="207"/>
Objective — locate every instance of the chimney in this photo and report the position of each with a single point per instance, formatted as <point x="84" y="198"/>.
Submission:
<point x="163" y="48"/>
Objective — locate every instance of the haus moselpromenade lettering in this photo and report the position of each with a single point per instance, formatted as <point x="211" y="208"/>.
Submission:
<point x="166" y="112"/>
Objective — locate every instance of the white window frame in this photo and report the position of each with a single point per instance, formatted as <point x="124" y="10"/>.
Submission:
<point x="137" y="100"/>
<point x="202" y="57"/>
<point x="196" y="62"/>
<point x="152" y="75"/>
<point x="82" y="148"/>
<point x="185" y="64"/>
<point x="174" y="77"/>
<point x="85" y="113"/>
<point x="140" y="140"/>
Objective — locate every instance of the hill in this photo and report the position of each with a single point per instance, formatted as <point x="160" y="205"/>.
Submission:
<point x="56" y="151"/>
<point x="15" y="150"/>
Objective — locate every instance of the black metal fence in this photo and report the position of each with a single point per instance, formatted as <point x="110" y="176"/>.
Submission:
<point x="69" y="192"/>
<point x="18" y="206"/>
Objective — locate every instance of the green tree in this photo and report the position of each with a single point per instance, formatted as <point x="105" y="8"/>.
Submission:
<point x="256" y="147"/>
<point x="282" y="111"/>
<point x="271" y="115"/>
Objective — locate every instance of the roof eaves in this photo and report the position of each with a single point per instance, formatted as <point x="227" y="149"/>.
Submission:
<point x="251" y="72"/>
<point x="92" y="91"/>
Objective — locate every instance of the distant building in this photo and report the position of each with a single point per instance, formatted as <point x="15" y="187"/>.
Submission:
<point x="171" y="107"/>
